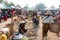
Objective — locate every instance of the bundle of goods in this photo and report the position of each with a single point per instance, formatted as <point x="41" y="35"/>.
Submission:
<point x="25" y="38"/>
<point x="31" y="33"/>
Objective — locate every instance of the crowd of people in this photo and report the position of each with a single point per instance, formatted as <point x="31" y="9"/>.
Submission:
<point x="6" y="13"/>
<point x="48" y="17"/>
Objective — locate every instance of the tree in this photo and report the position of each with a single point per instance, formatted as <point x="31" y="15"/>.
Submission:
<point x="26" y="7"/>
<point x="1" y="1"/>
<point x="40" y="6"/>
<point x="12" y="4"/>
<point x="19" y="6"/>
<point x="6" y="3"/>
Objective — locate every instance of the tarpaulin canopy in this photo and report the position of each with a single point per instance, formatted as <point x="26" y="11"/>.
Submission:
<point x="2" y="6"/>
<point x="51" y="8"/>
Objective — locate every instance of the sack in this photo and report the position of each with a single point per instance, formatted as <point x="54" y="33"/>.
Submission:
<point x="48" y="19"/>
<point x="25" y="38"/>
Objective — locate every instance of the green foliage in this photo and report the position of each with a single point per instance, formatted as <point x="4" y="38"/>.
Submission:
<point x="6" y="3"/>
<point x="1" y="1"/>
<point x="26" y="7"/>
<point x="40" y="6"/>
<point x="19" y="6"/>
<point x="12" y="4"/>
<point x="25" y="38"/>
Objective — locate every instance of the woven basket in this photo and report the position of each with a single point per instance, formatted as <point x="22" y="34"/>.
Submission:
<point x="54" y="28"/>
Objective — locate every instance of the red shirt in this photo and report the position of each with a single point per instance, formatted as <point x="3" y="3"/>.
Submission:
<point x="13" y="12"/>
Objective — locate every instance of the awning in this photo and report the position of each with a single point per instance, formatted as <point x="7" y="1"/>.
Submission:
<point x="2" y="6"/>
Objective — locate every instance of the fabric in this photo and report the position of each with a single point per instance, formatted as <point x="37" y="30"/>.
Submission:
<point x="58" y="19"/>
<point x="47" y="19"/>
<point x="13" y="12"/>
<point x="5" y="17"/>
<point x="22" y="28"/>
<point x="35" y="21"/>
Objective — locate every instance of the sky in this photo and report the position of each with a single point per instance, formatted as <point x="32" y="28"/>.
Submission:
<point x="32" y="3"/>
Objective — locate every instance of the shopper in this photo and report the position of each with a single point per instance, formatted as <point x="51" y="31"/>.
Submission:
<point x="47" y="21"/>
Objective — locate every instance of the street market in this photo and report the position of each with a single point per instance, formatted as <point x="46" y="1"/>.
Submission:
<point x="18" y="23"/>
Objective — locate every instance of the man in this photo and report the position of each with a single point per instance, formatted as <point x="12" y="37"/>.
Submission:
<point x="47" y="21"/>
<point x="35" y="21"/>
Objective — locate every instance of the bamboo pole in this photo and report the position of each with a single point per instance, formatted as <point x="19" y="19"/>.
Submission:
<point x="39" y="32"/>
<point x="12" y="27"/>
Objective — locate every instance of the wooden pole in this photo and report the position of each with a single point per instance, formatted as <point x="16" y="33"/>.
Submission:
<point x="39" y="32"/>
<point x="12" y="27"/>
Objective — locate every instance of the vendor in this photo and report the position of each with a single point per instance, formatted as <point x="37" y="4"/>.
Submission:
<point x="22" y="27"/>
<point x="47" y="21"/>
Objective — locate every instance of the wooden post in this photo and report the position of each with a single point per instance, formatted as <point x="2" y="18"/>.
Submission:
<point x="39" y="32"/>
<point x="12" y="27"/>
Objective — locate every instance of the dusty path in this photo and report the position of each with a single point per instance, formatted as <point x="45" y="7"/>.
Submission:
<point x="6" y="22"/>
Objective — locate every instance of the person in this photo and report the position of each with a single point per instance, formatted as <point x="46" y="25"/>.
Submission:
<point x="4" y="14"/>
<point x="0" y="15"/>
<point x="9" y="13"/>
<point x="58" y="19"/>
<point x="21" y="28"/>
<point x="47" y="21"/>
<point x="13" y="12"/>
<point x="35" y="21"/>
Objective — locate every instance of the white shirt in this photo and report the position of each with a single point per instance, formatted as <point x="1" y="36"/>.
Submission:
<point x="48" y="19"/>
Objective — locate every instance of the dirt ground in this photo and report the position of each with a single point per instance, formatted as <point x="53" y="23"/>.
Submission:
<point x="51" y="35"/>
